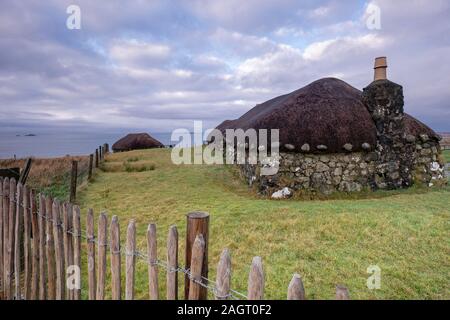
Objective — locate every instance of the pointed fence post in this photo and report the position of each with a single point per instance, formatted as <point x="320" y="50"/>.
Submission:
<point x="35" y="247"/>
<point x="296" y="291"/>
<point x="342" y="293"/>
<point x="172" y="264"/>
<point x="18" y="234"/>
<point x="70" y="292"/>
<point x="101" y="251"/>
<point x="90" y="235"/>
<point x="152" y="260"/>
<point x="7" y="242"/>
<point x="198" y="251"/>
<point x="2" y="271"/>
<point x="66" y="217"/>
<point x="42" y="225"/>
<point x="130" y="260"/>
<point x="223" y="279"/>
<point x="256" y="280"/>
<point x="3" y="234"/>
<point x="11" y="237"/>
<point x="77" y="248"/>
<point x="116" y="293"/>
<point x="59" y="251"/>
<point x="50" y="244"/>
<point x="27" y="242"/>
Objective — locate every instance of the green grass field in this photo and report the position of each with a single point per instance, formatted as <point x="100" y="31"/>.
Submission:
<point x="446" y="154"/>
<point x="329" y="242"/>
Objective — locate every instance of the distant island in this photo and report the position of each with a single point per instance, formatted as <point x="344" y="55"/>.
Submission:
<point x="26" y="135"/>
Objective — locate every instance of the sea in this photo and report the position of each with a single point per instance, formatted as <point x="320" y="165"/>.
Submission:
<point x="59" y="143"/>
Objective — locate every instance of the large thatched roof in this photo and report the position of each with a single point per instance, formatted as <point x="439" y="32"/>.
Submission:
<point x="134" y="141"/>
<point x="328" y="112"/>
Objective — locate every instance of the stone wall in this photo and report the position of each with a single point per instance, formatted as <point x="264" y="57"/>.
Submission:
<point x="429" y="165"/>
<point x="344" y="172"/>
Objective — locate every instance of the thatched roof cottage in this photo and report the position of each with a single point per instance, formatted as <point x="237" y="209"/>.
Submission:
<point x="136" y="141"/>
<point x="335" y="137"/>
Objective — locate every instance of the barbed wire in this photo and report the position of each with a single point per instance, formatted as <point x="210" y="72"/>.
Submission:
<point x="204" y="282"/>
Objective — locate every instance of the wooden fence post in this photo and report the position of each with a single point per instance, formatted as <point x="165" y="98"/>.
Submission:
<point x="27" y="242"/>
<point x="197" y="223"/>
<point x="172" y="264"/>
<point x="2" y="270"/>
<point x="296" y="291"/>
<point x="100" y="153"/>
<point x="198" y="252"/>
<point x="77" y="248"/>
<point x="51" y="263"/>
<point x="256" y="280"/>
<point x="9" y="263"/>
<point x="35" y="247"/>
<point x="92" y="281"/>
<point x="152" y="260"/>
<point x="25" y="172"/>
<point x="223" y="279"/>
<point x="5" y="213"/>
<point x="59" y="251"/>
<point x="67" y="240"/>
<point x="342" y="293"/>
<point x="18" y="241"/>
<point x="42" y="265"/>
<point x="73" y="182"/>
<point x="115" y="259"/>
<point x="101" y="249"/>
<point x="11" y="233"/>
<point x="69" y="245"/>
<point x="130" y="260"/>
<point x="65" y="236"/>
<point x="91" y="163"/>
<point x="4" y="203"/>
<point x="96" y="158"/>
<point x="4" y="189"/>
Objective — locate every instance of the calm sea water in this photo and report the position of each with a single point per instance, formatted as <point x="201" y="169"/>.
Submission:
<point x="58" y="144"/>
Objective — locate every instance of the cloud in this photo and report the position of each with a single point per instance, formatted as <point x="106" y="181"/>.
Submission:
<point x="137" y="53"/>
<point x="157" y="65"/>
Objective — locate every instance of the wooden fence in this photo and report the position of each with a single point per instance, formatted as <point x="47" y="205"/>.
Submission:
<point x="41" y="255"/>
<point x="76" y="175"/>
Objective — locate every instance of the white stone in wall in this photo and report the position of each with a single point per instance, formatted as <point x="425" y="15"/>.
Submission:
<point x="435" y="166"/>
<point x="289" y="146"/>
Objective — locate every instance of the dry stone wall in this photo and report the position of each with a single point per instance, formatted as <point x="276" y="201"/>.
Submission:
<point x="343" y="172"/>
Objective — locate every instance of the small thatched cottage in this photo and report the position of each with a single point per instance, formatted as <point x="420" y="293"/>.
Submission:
<point x="135" y="141"/>
<point x="334" y="137"/>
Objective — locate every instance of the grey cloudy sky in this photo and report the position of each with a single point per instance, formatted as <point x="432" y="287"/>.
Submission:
<point x="158" y="65"/>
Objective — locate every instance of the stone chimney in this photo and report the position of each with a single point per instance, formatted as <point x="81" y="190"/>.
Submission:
<point x="384" y="100"/>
